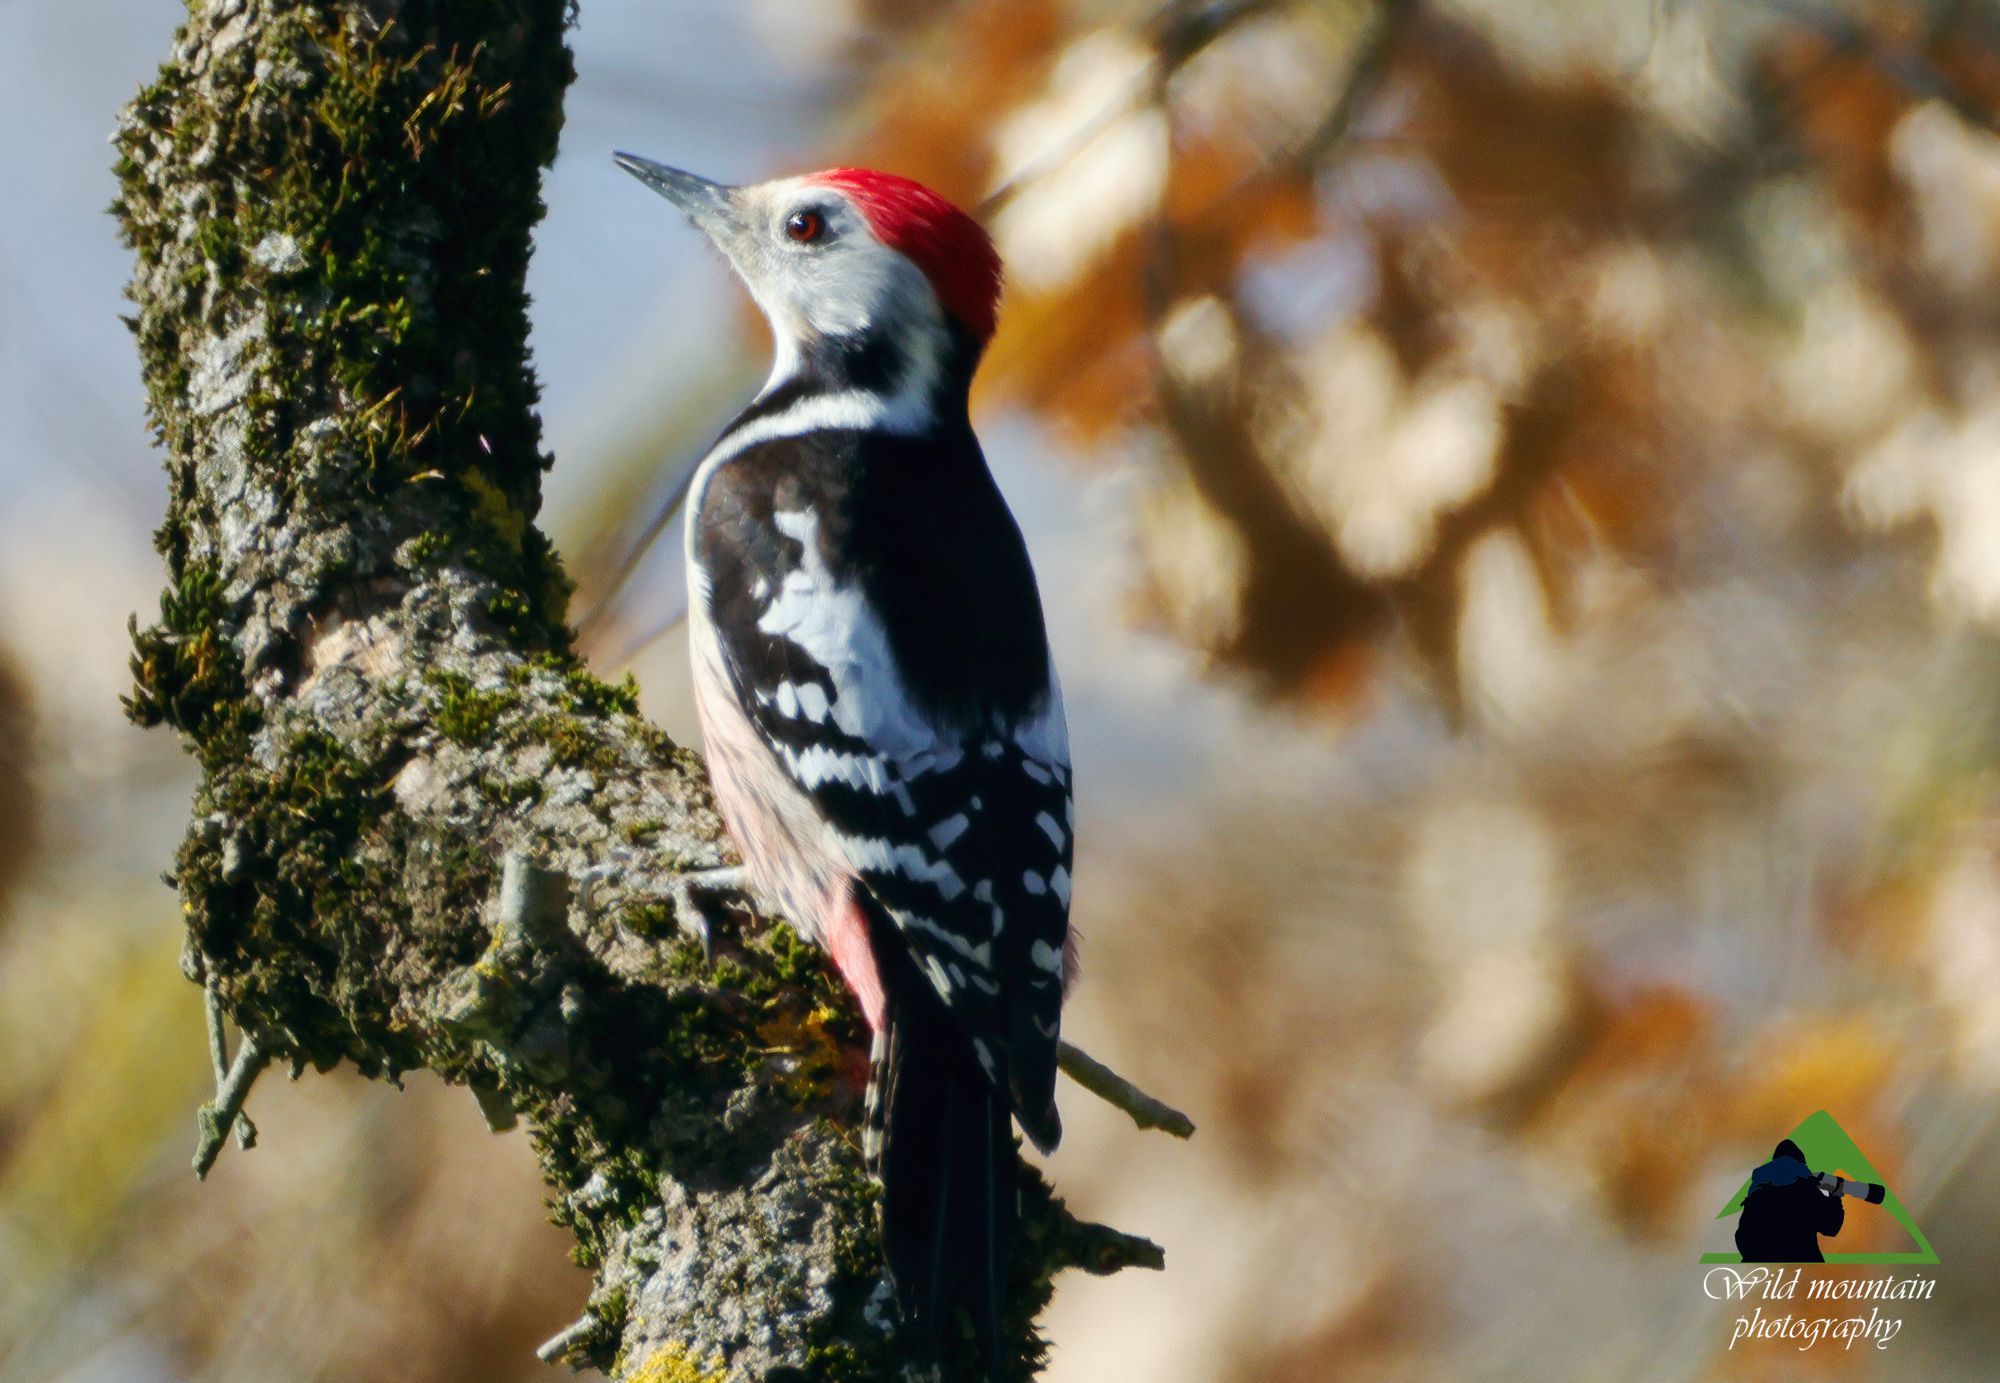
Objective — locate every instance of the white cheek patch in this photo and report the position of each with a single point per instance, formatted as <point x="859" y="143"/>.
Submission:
<point x="848" y="289"/>
<point x="851" y="285"/>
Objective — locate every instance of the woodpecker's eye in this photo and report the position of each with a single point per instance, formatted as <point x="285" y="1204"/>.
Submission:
<point x="805" y="226"/>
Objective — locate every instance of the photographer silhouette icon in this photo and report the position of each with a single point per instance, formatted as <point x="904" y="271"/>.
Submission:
<point x="1799" y="1197"/>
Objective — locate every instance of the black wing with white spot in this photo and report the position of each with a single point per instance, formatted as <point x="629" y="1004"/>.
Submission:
<point x="877" y="613"/>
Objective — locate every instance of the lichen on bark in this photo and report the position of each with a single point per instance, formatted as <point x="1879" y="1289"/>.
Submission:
<point x="363" y="643"/>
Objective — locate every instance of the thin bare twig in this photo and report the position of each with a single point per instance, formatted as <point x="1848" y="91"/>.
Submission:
<point x="1363" y="74"/>
<point x="1904" y="65"/>
<point x="218" y="1057"/>
<point x="1177" y="33"/>
<point x="216" y="1119"/>
<point x="495" y="1108"/>
<point x="558" y="1346"/>
<point x="1105" y="1083"/>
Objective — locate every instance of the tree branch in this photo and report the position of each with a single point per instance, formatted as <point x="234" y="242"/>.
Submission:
<point x="363" y="642"/>
<point x="226" y="1112"/>
<point x="1144" y="1110"/>
<point x="218" y="1059"/>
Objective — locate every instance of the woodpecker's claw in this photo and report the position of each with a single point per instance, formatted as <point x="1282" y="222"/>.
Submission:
<point x="687" y="890"/>
<point x="684" y="889"/>
<point x="612" y="868"/>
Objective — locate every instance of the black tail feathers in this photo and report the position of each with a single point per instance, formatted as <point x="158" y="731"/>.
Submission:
<point x="942" y="1138"/>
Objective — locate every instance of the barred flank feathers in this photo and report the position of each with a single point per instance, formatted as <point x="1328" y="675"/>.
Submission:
<point x="875" y="1110"/>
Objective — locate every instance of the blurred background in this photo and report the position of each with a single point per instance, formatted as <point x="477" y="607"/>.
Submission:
<point x="1516" y="485"/>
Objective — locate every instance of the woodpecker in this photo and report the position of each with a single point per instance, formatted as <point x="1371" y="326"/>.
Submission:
<point x="883" y="723"/>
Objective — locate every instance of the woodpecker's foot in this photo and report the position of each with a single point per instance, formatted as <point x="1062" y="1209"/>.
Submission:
<point x="639" y="875"/>
<point x="616" y="867"/>
<point x="689" y="888"/>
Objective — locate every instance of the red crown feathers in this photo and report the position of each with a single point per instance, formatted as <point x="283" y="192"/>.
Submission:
<point x="951" y="248"/>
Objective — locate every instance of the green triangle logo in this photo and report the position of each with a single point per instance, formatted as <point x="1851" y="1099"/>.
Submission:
<point x="1828" y="1149"/>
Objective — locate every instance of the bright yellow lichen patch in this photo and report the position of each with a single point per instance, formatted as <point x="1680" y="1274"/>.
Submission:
<point x="676" y="1364"/>
<point x="814" y="1052"/>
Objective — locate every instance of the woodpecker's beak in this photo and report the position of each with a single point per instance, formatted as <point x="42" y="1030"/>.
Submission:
<point x="710" y="205"/>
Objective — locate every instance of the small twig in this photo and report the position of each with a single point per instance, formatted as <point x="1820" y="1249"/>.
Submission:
<point x="532" y="900"/>
<point x="1105" y="1083"/>
<point x="218" y="1047"/>
<point x="723" y="385"/>
<point x="1364" y="74"/>
<point x="215" y="1120"/>
<point x="1906" y="67"/>
<point x="1177" y="34"/>
<point x="1073" y="142"/>
<point x="1331" y="134"/>
<point x="218" y="1057"/>
<point x="1101" y="1250"/>
<point x="495" y="1107"/>
<point x="557" y="1347"/>
<point x="1062" y="1241"/>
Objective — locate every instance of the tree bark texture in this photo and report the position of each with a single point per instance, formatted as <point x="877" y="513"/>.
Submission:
<point x="364" y="644"/>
